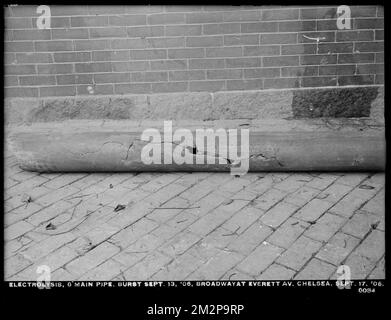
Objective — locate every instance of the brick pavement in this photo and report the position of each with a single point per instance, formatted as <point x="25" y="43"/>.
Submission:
<point x="178" y="226"/>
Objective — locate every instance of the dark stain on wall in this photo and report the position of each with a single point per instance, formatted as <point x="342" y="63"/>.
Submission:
<point x="335" y="102"/>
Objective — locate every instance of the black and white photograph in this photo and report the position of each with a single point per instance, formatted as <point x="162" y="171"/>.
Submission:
<point x="194" y="144"/>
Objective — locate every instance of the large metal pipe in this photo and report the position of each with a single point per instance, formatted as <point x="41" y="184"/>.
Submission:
<point x="287" y="146"/>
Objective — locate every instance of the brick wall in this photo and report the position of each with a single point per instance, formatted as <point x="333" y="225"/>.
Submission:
<point x="93" y="50"/>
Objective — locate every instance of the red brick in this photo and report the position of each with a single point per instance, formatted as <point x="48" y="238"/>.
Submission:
<point x="56" y="22"/>
<point x="168" y="65"/>
<point x="21" y="92"/>
<point x="169" y="87"/>
<point x="74" y="79"/>
<point x="132" y="88"/>
<point x="149" y="76"/>
<point x="18" y="46"/>
<point x="24" y="11"/>
<point x="292" y="26"/>
<point x="211" y="41"/>
<point x="57" y="91"/>
<point x="155" y="31"/>
<point x="318" y="13"/>
<point x="150" y="54"/>
<point x="356" y="58"/>
<point x="129" y="43"/>
<point x="280" y="14"/>
<point x="69" y="10"/>
<point x="89" y="21"/>
<point x="166" y="18"/>
<point x="322" y="25"/>
<point x="98" y="89"/>
<point x="186" y="75"/>
<point x="335" y="48"/>
<point x="262" y="73"/>
<point x="111" y="32"/>
<point x="368" y="23"/>
<point x="204" y="17"/>
<point x="23" y="58"/>
<point x="45" y="46"/>
<point x="72" y="57"/>
<point x="237" y="15"/>
<point x="328" y="37"/>
<point x="121" y="55"/>
<point x="235" y="40"/>
<point x="281" y="83"/>
<point x="130" y="66"/>
<point x="370" y="68"/>
<point x="37" y="80"/>
<point x="185" y="53"/>
<point x="355" y="80"/>
<point x="299" y="71"/>
<point x="184" y="30"/>
<point x="224" y="52"/>
<point x="111" y="77"/>
<point x="377" y="46"/>
<point x="337" y="70"/>
<point x="261" y="50"/>
<point x="280" y="61"/>
<point x="291" y="49"/>
<point x="318" y="59"/>
<point x="128" y="20"/>
<point x="209" y="86"/>
<point x="353" y="35"/>
<point x="259" y="27"/>
<point x="70" y="33"/>
<point x="84" y="45"/>
<point x="137" y="9"/>
<point x="221" y="28"/>
<point x="206" y="64"/>
<point x="19" y="69"/>
<point x="166" y="42"/>
<point x="93" y="67"/>
<point x="379" y="34"/>
<point x="243" y="62"/>
<point x="32" y="34"/>
<point x="318" y="81"/>
<point x="10" y="81"/>
<point x="379" y="57"/>
<point x="18" y="23"/>
<point x="54" y="68"/>
<point x="224" y="74"/>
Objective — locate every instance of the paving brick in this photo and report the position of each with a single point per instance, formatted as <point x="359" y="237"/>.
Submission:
<point x="373" y="246"/>
<point x="17" y="229"/>
<point x="338" y="248"/>
<point x="54" y="261"/>
<point x="334" y="193"/>
<point x="258" y="260"/>
<point x="301" y="196"/>
<point x="278" y="214"/>
<point x="250" y="239"/>
<point x="276" y="272"/>
<point x="92" y="259"/>
<point x="377" y="204"/>
<point x="360" y="267"/>
<point x="316" y="270"/>
<point x="325" y="227"/>
<point x="61" y="275"/>
<point x="322" y="181"/>
<point x="15" y="264"/>
<point x="178" y="269"/>
<point x="179" y="244"/>
<point x="147" y="267"/>
<point x="104" y="272"/>
<point x="360" y="224"/>
<point x="352" y="180"/>
<point x="379" y="272"/>
<point x="43" y="248"/>
<point x="288" y="232"/>
<point x="242" y="219"/>
<point x="216" y="267"/>
<point x="269" y="199"/>
<point x="49" y="212"/>
<point x="301" y="251"/>
<point x="313" y="210"/>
